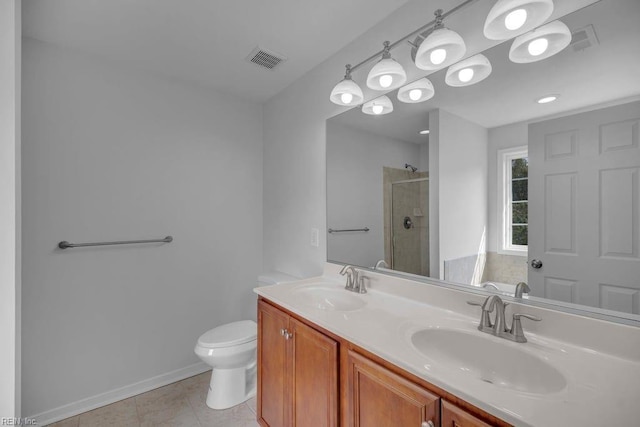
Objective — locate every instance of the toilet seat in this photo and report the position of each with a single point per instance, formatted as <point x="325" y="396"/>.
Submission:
<point x="229" y="335"/>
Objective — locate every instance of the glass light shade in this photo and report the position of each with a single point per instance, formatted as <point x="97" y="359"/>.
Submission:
<point x="528" y="47"/>
<point x="505" y="19"/>
<point x="387" y="74"/>
<point x="341" y="92"/>
<point x="379" y="106"/>
<point x="408" y="93"/>
<point x="470" y="71"/>
<point x="430" y="57"/>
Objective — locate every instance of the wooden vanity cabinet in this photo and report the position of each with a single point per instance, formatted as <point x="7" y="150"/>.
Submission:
<point x="299" y="383"/>
<point x="453" y="416"/>
<point x="378" y="397"/>
<point x="297" y="372"/>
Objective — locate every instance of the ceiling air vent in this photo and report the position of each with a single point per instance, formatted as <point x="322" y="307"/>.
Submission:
<point x="584" y="38"/>
<point x="265" y="58"/>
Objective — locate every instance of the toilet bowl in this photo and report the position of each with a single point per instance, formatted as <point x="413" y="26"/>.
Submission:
<point x="230" y="350"/>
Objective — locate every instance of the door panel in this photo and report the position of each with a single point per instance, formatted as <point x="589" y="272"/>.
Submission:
<point x="584" y="208"/>
<point x="315" y="377"/>
<point x="380" y="398"/>
<point x="273" y="390"/>
<point x="452" y="416"/>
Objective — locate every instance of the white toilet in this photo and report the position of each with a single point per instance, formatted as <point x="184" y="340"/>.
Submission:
<point x="230" y="350"/>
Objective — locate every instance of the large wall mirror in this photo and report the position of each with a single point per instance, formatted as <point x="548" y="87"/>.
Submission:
<point x="485" y="186"/>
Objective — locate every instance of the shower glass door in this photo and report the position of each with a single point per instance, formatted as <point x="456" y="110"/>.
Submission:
<point x="410" y="226"/>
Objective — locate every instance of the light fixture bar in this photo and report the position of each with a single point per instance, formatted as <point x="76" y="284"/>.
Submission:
<point x="413" y="33"/>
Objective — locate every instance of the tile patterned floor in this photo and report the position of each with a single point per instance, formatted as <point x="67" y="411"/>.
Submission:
<point x="180" y="404"/>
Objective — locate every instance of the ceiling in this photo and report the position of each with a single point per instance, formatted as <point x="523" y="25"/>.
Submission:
<point x="602" y="73"/>
<point x="204" y="41"/>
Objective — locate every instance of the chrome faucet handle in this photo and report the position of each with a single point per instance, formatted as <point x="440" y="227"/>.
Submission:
<point x="521" y="288"/>
<point x="516" y="333"/>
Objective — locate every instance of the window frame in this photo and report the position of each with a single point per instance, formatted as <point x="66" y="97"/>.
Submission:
<point x="505" y="195"/>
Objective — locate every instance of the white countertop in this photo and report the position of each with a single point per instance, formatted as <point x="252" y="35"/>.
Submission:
<point x="603" y="387"/>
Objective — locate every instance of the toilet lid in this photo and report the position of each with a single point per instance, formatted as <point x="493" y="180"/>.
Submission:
<point x="230" y="334"/>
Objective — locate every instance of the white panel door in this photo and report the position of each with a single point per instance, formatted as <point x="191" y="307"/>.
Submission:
<point x="584" y="207"/>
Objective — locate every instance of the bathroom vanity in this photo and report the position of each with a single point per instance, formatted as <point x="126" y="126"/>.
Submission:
<point x="409" y="353"/>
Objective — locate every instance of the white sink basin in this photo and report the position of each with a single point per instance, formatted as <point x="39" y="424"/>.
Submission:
<point x="488" y="360"/>
<point x="330" y="298"/>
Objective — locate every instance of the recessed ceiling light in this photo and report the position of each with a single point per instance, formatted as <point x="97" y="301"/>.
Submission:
<point x="547" y="99"/>
<point x="424" y="132"/>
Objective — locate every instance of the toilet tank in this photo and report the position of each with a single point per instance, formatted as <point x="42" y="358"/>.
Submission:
<point x="274" y="277"/>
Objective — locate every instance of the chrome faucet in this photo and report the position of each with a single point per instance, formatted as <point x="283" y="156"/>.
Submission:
<point x="521" y="288"/>
<point x="381" y="264"/>
<point x="490" y="285"/>
<point x="499" y="327"/>
<point x="355" y="281"/>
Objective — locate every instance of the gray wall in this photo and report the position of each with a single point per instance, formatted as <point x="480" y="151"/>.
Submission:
<point x="10" y="45"/>
<point x="463" y="187"/>
<point x="355" y="160"/>
<point x="295" y="139"/>
<point x="111" y="154"/>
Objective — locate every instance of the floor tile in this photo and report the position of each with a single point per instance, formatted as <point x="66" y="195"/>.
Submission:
<point x="163" y="404"/>
<point x="251" y="403"/>
<point x="185" y="418"/>
<point x="238" y="416"/>
<point x="181" y="404"/>
<point x="121" y="414"/>
<point x="69" y="422"/>
<point x="196" y="384"/>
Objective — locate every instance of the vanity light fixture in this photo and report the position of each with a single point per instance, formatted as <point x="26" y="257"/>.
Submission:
<point x="424" y="132"/>
<point x="347" y="92"/>
<point x="419" y="91"/>
<point x="469" y="71"/>
<point x="508" y="18"/>
<point x="387" y="74"/>
<point x="441" y="48"/>
<point x="379" y="106"/>
<point x="434" y="47"/>
<point x="540" y="43"/>
<point x="547" y="99"/>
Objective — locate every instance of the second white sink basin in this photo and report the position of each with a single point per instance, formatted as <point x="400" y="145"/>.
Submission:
<point x="326" y="297"/>
<point x="488" y="360"/>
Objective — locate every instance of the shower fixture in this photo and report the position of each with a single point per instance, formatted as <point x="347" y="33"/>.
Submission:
<point x="408" y="166"/>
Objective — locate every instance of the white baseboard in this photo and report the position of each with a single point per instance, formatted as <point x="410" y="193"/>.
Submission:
<point x="112" y="396"/>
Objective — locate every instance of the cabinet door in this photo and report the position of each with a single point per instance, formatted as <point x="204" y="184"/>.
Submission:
<point x="380" y="398"/>
<point x="314" y="377"/>
<point x="273" y="402"/>
<point x="452" y="416"/>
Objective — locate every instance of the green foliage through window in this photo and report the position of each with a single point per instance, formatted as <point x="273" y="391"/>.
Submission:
<point x="519" y="201"/>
